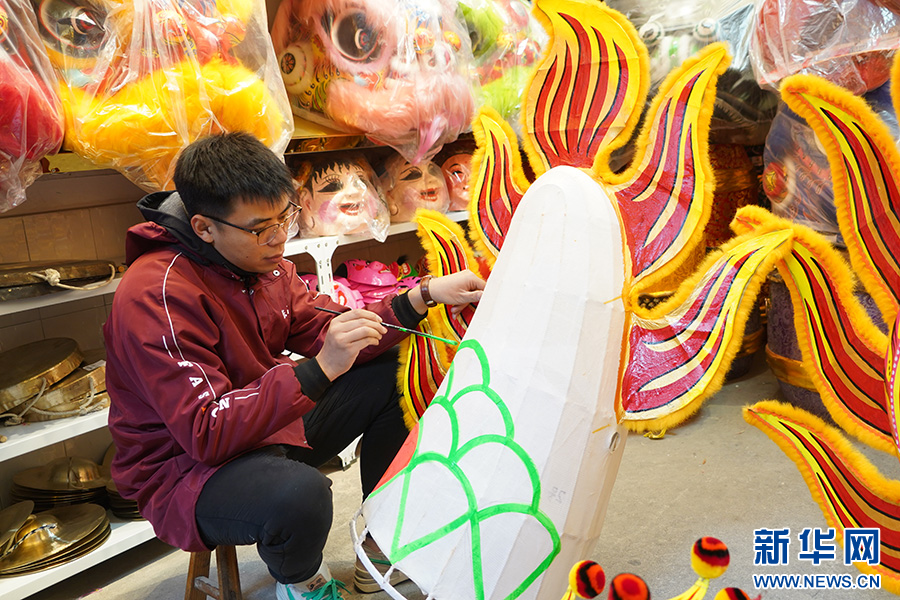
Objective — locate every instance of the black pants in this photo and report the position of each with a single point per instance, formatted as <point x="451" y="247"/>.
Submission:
<point x="276" y="498"/>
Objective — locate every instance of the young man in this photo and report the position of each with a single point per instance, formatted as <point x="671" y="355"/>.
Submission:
<point x="218" y="434"/>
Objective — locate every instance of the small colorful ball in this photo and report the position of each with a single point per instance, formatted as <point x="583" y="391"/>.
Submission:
<point x="732" y="594"/>
<point x="709" y="557"/>
<point x="587" y="579"/>
<point x="628" y="586"/>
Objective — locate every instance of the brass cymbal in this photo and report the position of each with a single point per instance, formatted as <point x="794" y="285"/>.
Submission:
<point x="26" y="367"/>
<point x="66" y="473"/>
<point x="74" y="385"/>
<point x="11" y="519"/>
<point x="87" y="544"/>
<point x="52" y="532"/>
<point x="108" y="457"/>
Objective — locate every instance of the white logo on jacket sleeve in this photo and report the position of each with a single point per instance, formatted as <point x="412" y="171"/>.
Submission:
<point x="285" y="313"/>
<point x="223" y="404"/>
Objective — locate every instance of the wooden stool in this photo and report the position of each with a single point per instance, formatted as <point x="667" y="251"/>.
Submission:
<point x="199" y="585"/>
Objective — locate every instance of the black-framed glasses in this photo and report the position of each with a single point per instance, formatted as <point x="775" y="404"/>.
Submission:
<point x="290" y="224"/>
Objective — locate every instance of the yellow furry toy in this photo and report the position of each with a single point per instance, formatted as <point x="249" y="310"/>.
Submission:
<point x="140" y="80"/>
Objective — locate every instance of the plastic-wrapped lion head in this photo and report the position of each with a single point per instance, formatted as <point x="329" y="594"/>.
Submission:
<point x="397" y="70"/>
<point x="141" y="79"/>
<point x="30" y="113"/>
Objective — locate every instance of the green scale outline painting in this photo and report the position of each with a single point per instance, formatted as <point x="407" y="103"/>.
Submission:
<point x="458" y="450"/>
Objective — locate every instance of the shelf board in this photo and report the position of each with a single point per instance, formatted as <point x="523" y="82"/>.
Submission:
<point x="24" y="438"/>
<point x="124" y="536"/>
<point x="317" y="247"/>
<point x="8" y="307"/>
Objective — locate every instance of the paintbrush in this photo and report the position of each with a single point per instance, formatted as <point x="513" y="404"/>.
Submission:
<point x="413" y="331"/>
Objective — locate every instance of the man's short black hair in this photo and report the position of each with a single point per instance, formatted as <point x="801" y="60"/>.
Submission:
<point x="213" y="173"/>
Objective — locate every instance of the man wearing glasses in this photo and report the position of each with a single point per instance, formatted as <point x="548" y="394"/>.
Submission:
<point x="218" y="434"/>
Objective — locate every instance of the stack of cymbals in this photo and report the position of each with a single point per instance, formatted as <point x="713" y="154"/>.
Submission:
<point x="61" y="482"/>
<point x="31" y="542"/>
<point x="50" y="379"/>
<point x="121" y="507"/>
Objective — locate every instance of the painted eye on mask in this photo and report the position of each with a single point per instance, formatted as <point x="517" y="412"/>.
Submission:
<point x="71" y="28"/>
<point x="354" y="37"/>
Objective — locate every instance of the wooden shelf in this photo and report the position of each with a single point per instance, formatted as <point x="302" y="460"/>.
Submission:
<point x="8" y="307"/>
<point x="124" y="536"/>
<point x="307" y="137"/>
<point x="320" y="248"/>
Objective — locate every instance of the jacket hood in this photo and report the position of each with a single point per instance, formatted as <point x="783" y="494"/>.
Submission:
<point x="168" y="224"/>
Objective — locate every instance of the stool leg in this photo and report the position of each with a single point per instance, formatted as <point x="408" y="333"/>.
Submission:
<point x="199" y="567"/>
<point x="229" y="577"/>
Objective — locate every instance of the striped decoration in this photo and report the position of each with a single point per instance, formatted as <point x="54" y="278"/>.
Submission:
<point x="665" y="201"/>
<point x="847" y="487"/>
<point x="497" y="183"/>
<point x="865" y="170"/>
<point x="586" y="96"/>
<point x="684" y="346"/>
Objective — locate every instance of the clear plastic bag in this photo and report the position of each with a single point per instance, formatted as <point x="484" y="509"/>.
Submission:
<point x="31" y="118"/>
<point x="507" y="43"/>
<point x="141" y="79"/>
<point x="674" y="31"/>
<point x="396" y="71"/>
<point x="797" y="178"/>
<point x="340" y="194"/>
<point x="848" y="42"/>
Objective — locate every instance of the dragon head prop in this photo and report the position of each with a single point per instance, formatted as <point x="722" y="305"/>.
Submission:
<point x="30" y="114"/>
<point x="523" y="423"/>
<point x="397" y="71"/>
<point x="140" y="80"/>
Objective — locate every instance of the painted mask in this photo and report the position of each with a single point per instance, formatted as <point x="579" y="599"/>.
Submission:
<point x="409" y="187"/>
<point x="341" y="196"/>
<point x="455" y="161"/>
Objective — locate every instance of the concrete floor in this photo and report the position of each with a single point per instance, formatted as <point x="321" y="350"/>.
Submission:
<point x="714" y="476"/>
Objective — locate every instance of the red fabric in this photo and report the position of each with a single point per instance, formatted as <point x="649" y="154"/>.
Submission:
<point x="30" y="124"/>
<point x="196" y="374"/>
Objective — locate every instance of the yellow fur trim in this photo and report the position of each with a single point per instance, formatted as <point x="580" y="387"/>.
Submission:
<point x="670" y="273"/>
<point x="895" y="83"/>
<point x="745" y="306"/>
<point x="758" y="220"/>
<point x="410" y="417"/>
<point x="601" y="168"/>
<point x="476" y="233"/>
<point x="869" y="475"/>
<point x="792" y="90"/>
<point x="603" y="14"/>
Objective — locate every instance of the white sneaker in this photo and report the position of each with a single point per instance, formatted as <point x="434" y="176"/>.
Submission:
<point x="321" y="586"/>
<point x="364" y="582"/>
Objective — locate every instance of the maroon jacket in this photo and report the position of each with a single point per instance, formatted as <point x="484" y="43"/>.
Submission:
<point x="195" y="366"/>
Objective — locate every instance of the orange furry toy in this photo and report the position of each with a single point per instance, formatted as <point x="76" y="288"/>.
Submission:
<point x="140" y="80"/>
